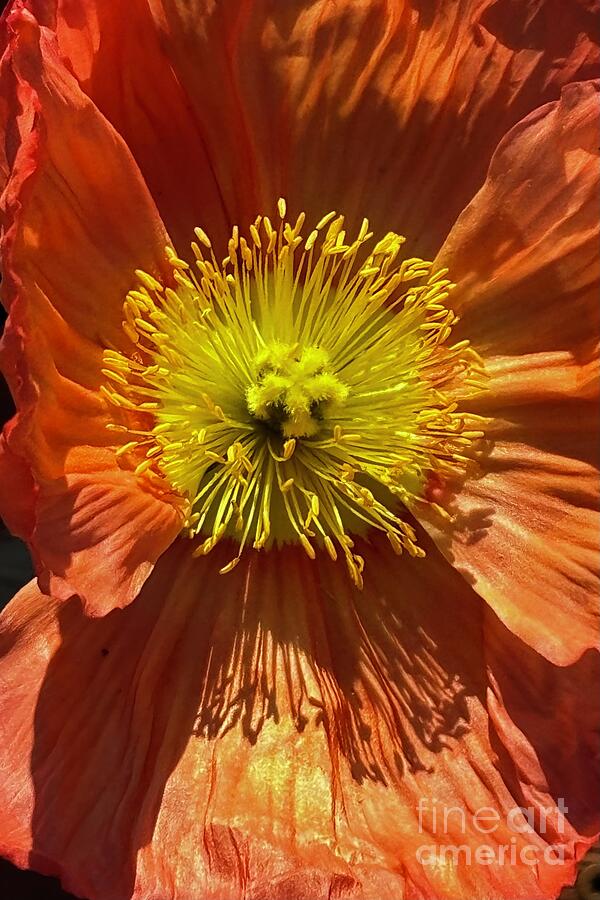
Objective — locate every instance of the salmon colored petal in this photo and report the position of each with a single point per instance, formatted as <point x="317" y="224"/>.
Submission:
<point x="538" y="378"/>
<point x="532" y="702"/>
<point x="526" y="530"/>
<point x="78" y="221"/>
<point x="271" y="733"/>
<point x="96" y="528"/>
<point x="389" y="110"/>
<point x="524" y="252"/>
<point x="270" y="92"/>
<point x="62" y="166"/>
<point x="115" y="52"/>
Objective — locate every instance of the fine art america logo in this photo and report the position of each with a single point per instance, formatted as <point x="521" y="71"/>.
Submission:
<point x="486" y="837"/>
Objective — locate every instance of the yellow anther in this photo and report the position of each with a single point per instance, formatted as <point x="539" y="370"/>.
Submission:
<point x="324" y="221"/>
<point x="148" y="281"/>
<point x="230" y="565"/>
<point x="294" y="396"/>
<point x="273" y="242"/>
<point x="125" y="448"/>
<point x="364" y="228"/>
<point x="255" y="236"/>
<point x="202" y="237"/>
<point x="114" y="376"/>
<point x="214" y="457"/>
<point x="310" y="550"/>
<point x="143" y="467"/>
<point x="174" y="259"/>
<point x="329" y="546"/>
<point x="311" y="240"/>
<point x="288" y="448"/>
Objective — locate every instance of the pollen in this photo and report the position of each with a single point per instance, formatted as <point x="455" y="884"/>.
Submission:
<point x="304" y="388"/>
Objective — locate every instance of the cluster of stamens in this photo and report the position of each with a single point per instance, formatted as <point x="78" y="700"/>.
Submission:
<point x="301" y="389"/>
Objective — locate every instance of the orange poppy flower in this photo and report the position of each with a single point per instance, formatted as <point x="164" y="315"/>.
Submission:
<point x="316" y="602"/>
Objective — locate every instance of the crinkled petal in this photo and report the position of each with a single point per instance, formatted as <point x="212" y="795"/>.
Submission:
<point x="78" y="221"/>
<point x="115" y="51"/>
<point x="373" y="108"/>
<point x="320" y="102"/>
<point x="524" y="254"/>
<point x="275" y="733"/>
<point x="99" y="528"/>
<point x="525" y="530"/>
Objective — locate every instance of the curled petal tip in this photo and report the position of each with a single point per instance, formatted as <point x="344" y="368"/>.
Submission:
<point x="20" y="20"/>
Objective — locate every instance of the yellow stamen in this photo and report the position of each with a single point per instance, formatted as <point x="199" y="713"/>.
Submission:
<point x="296" y="391"/>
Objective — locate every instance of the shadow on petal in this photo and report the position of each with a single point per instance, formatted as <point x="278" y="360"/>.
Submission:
<point x="218" y="719"/>
<point x="202" y="654"/>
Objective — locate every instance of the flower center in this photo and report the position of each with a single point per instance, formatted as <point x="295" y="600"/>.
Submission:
<point x="294" y="389"/>
<point x="303" y="388"/>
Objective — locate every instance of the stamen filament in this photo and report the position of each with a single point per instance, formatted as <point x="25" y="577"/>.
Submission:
<point x="302" y="389"/>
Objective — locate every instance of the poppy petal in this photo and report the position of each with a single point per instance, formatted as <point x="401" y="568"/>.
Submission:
<point x="524" y="252"/>
<point x="321" y="102"/>
<point x="525" y="257"/>
<point x="114" y="50"/>
<point x="276" y="733"/>
<point x="271" y="92"/>
<point x="68" y="261"/>
<point x="525" y="530"/>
